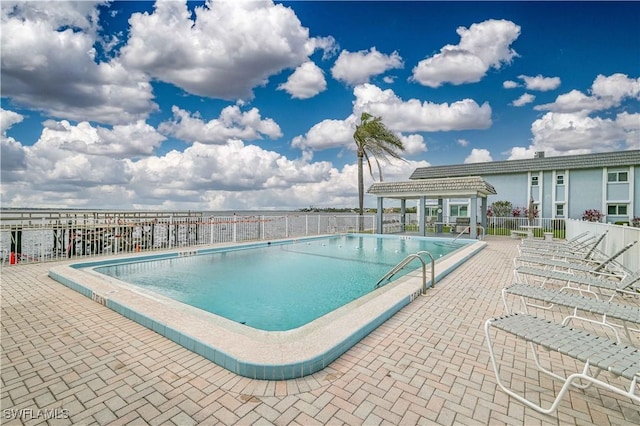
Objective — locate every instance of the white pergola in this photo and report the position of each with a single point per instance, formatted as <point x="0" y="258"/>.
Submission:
<point x="472" y="187"/>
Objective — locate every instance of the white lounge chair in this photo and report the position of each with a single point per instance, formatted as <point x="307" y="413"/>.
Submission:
<point x="596" y="284"/>
<point x="585" y="250"/>
<point x="608" y="265"/>
<point x="576" y="241"/>
<point x="584" y="308"/>
<point x="622" y="361"/>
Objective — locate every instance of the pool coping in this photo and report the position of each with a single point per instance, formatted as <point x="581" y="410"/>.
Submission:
<point x="248" y="352"/>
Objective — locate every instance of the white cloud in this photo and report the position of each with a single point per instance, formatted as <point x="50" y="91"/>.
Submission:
<point x="358" y="67"/>
<point x="398" y="115"/>
<point x="413" y="144"/>
<point x="509" y="84"/>
<point x="306" y="81"/>
<point x="232" y="124"/>
<point x="463" y="143"/>
<point x="616" y="88"/>
<point x="540" y="83"/>
<point x="478" y="156"/>
<point x="60" y="75"/>
<point x="229" y="48"/>
<point x="327" y="134"/>
<point x="8" y="119"/>
<point x="525" y="99"/>
<point x="482" y="46"/>
<point x="122" y="141"/>
<point x="572" y="134"/>
<point x="415" y="116"/>
<point x="606" y="92"/>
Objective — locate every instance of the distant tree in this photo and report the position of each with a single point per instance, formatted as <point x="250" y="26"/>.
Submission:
<point x="373" y="141"/>
<point x="501" y="209"/>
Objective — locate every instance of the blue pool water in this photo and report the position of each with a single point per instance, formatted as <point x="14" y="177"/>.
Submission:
<point x="279" y="286"/>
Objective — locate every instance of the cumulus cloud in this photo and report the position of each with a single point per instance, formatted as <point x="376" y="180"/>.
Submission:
<point x="398" y="115"/>
<point x="525" y="99"/>
<point x="414" y="115"/>
<point x="413" y="144"/>
<point x="228" y="49"/>
<point x="606" y="92"/>
<point x="463" y="142"/>
<point x="232" y="124"/>
<point x="122" y="141"/>
<point x="510" y="84"/>
<point x="478" y="156"/>
<point x="482" y="46"/>
<point x="358" y="67"/>
<point x="61" y="74"/>
<point x="327" y="134"/>
<point x="573" y="134"/>
<point x="306" y="81"/>
<point x="540" y="83"/>
<point x="8" y="119"/>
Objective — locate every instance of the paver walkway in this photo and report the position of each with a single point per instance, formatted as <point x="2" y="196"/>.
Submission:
<point x="68" y="357"/>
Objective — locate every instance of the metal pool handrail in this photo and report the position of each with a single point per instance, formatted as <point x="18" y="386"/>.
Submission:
<point x="408" y="260"/>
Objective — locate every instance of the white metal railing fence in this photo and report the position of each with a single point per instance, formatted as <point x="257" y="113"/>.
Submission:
<point x="44" y="239"/>
<point x="504" y="225"/>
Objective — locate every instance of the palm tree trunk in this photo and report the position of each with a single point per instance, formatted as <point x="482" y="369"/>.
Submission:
<point x="360" y="192"/>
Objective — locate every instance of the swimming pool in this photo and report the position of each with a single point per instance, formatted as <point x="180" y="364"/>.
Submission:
<point x="281" y="286"/>
<point x="293" y="350"/>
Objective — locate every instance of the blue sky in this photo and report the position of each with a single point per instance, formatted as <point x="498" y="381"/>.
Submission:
<point x="232" y="105"/>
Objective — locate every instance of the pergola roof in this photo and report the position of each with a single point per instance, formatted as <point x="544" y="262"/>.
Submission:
<point x="459" y="187"/>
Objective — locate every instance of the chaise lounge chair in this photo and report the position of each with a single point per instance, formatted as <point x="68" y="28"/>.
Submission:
<point x="576" y="241"/>
<point x="584" y="250"/>
<point x="582" y="283"/>
<point x="622" y="361"/>
<point x="608" y="265"/>
<point x="584" y="308"/>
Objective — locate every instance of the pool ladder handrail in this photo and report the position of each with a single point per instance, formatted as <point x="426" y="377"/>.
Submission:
<point x="408" y="260"/>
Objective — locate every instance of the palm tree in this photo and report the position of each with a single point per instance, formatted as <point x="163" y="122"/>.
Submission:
<point x="373" y="139"/>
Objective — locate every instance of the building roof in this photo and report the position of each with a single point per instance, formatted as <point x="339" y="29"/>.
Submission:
<point x="541" y="163"/>
<point x="434" y="188"/>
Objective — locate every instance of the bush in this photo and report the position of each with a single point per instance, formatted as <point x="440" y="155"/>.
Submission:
<point x="635" y="222"/>
<point x="592" y="215"/>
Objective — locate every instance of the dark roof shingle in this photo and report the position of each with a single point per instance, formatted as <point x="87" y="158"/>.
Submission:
<point x="570" y="162"/>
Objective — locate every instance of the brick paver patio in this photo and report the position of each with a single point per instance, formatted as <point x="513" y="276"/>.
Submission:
<point x="66" y="356"/>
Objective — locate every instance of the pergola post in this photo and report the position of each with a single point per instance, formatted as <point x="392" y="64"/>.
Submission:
<point x="379" y="214"/>
<point x="403" y="214"/>
<point x="483" y="213"/>
<point x="473" y="219"/>
<point x="422" y="220"/>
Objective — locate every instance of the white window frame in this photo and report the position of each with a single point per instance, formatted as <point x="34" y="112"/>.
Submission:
<point x="616" y="176"/>
<point x="458" y="207"/>
<point x="617" y="208"/>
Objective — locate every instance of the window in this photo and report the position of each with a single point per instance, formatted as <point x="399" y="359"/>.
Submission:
<point x="617" y="209"/>
<point x="618" y="176"/>
<point x="560" y="180"/>
<point x="459" y="210"/>
<point x="534" y="180"/>
<point x="559" y="210"/>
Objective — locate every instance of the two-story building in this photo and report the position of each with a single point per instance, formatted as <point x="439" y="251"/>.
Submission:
<point x="561" y="186"/>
